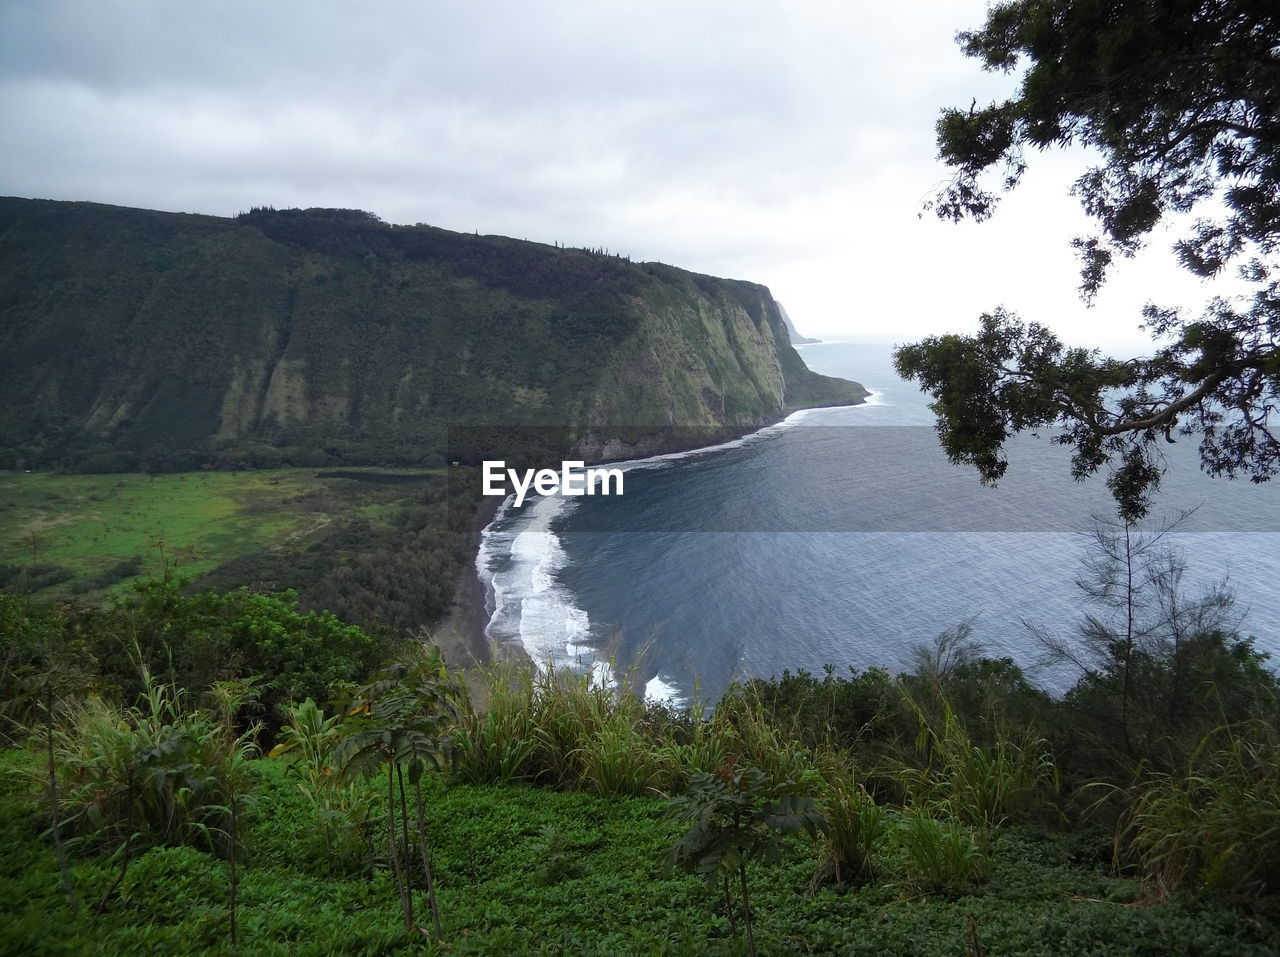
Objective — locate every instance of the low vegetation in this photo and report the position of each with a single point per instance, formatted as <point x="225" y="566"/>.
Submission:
<point x="222" y="772"/>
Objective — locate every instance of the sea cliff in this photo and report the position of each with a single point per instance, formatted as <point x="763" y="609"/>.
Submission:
<point x="132" y="339"/>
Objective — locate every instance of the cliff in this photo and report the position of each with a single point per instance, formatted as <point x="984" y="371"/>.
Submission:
<point x="137" y="339"/>
<point x="796" y="338"/>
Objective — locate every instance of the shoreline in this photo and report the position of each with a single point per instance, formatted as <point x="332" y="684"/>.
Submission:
<point x="463" y="636"/>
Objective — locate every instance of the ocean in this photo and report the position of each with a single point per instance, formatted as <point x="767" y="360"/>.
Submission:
<point x="843" y="537"/>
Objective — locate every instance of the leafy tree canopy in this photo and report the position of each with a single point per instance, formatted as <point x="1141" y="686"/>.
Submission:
<point x="1179" y="100"/>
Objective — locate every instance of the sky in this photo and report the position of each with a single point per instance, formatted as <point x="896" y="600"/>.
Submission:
<point x="787" y="143"/>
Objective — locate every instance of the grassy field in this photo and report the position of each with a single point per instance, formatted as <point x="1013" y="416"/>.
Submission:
<point x="88" y="525"/>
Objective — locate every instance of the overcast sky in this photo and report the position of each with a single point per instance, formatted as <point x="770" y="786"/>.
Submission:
<point x="789" y="143"/>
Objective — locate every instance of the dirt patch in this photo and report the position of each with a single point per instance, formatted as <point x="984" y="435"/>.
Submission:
<point x="295" y="537"/>
<point x="44" y="523"/>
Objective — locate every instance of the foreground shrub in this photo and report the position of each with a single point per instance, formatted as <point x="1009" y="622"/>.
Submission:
<point x="852" y="824"/>
<point x="342" y="809"/>
<point x="981" y="785"/>
<point x="401" y="722"/>
<point x="1216" y="823"/>
<point x="195" y="641"/>
<point x="942" y="855"/>
<point x="737" y="814"/>
<point x="156" y="773"/>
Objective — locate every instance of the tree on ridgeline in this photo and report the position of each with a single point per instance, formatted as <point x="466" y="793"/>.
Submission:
<point x="1181" y="104"/>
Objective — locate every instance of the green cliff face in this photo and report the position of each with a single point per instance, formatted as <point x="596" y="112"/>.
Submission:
<point x="131" y="338"/>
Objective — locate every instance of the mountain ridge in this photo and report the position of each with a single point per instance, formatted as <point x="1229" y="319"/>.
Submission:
<point x="133" y="339"/>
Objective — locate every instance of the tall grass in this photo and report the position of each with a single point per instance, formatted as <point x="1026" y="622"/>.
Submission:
<point x="743" y="727"/>
<point x="570" y="714"/>
<point x="853" y="824"/>
<point x="562" y="729"/>
<point x="1217" y="822"/>
<point x="982" y="785"/>
<point x="495" y="744"/>
<point x="943" y="855"/>
<point x="565" y="730"/>
<point x="692" y="743"/>
<point x="617" y="759"/>
<point x="152" y="772"/>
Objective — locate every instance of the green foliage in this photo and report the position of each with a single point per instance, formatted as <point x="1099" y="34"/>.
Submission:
<point x="745" y="731"/>
<point x="378" y="548"/>
<point x="943" y="855"/>
<point x="558" y="861"/>
<point x="343" y="810"/>
<point x="491" y="846"/>
<point x="566" y="710"/>
<point x="1178" y="105"/>
<point x="587" y="736"/>
<point x="687" y="742"/>
<point x="195" y="641"/>
<point x="36" y="648"/>
<point x="852" y="825"/>
<point x="191" y="881"/>
<point x="312" y="737"/>
<point x="1115" y="79"/>
<point x="310" y="654"/>
<point x="618" y="760"/>
<point x="495" y="743"/>
<point x="157" y="773"/>
<point x="26" y="579"/>
<point x="403" y="717"/>
<point x="976" y="784"/>
<point x="860" y="712"/>
<point x="564" y="730"/>
<point x="130" y="567"/>
<point x="154" y="775"/>
<point x="1160" y="666"/>
<point x="310" y="849"/>
<point x="401" y="721"/>
<point x="1217" y="821"/>
<point x="1213" y="677"/>
<point x="735" y="815"/>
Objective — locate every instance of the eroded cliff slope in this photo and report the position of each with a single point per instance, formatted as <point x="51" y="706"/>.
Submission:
<point x="131" y="339"/>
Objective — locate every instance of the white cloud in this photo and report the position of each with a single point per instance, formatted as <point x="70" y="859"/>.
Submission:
<point x="787" y="143"/>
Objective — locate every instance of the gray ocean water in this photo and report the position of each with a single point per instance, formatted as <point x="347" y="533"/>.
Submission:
<point x="842" y="537"/>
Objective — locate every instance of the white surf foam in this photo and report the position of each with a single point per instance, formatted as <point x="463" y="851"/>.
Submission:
<point x="667" y="459"/>
<point x="519" y="559"/>
<point x="661" y="690"/>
